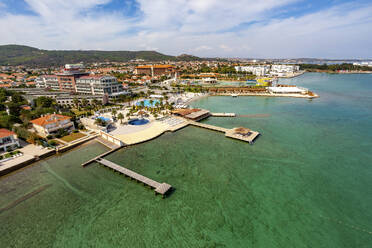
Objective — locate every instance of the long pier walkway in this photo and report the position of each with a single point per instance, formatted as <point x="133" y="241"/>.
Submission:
<point x="161" y="188"/>
<point x="207" y="126"/>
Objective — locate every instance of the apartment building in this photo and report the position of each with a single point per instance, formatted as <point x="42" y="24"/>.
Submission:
<point x="47" y="81"/>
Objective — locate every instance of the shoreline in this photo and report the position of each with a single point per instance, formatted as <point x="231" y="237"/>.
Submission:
<point x="14" y="168"/>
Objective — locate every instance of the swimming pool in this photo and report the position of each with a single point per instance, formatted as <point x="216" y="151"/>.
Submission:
<point x="137" y="122"/>
<point x="147" y="103"/>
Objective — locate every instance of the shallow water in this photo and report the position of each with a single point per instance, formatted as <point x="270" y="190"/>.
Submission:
<point x="306" y="182"/>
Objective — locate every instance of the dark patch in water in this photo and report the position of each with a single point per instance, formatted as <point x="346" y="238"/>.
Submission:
<point x="24" y="198"/>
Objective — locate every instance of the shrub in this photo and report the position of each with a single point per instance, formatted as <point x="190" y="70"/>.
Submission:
<point x="75" y="131"/>
<point x="49" y="137"/>
<point x="52" y="143"/>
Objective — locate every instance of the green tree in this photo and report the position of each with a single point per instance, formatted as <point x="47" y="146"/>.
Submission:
<point x="121" y="117"/>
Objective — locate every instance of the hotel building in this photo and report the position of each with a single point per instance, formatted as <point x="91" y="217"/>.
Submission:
<point x="74" y="80"/>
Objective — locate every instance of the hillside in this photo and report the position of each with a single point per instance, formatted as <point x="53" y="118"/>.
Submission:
<point x="24" y="55"/>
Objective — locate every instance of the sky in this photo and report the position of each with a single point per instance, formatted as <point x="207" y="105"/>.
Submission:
<point x="332" y="29"/>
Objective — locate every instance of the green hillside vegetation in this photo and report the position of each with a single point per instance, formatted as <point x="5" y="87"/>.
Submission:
<point x="24" y="55"/>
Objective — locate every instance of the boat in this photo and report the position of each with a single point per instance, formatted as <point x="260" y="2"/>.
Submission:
<point x="234" y="95"/>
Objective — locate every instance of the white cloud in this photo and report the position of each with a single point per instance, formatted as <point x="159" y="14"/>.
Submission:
<point x="196" y="27"/>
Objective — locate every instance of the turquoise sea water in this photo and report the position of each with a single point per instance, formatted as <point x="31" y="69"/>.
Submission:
<point x="306" y="182"/>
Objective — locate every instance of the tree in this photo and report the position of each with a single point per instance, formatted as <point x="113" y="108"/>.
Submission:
<point x="114" y="112"/>
<point x="76" y="102"/>
<point x="100" y="122"/>
<point x="84" y="102"/>
<point x="121" y="117"/>
<point x="45" y="102"/>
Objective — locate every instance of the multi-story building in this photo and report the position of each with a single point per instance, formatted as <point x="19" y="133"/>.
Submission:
<point x="47" y="81"/>
<point x="258" y="70"/>
<point x="156" y="70"/>
<point x="8" y="139"/>
<point x="67" y="79"/>
<point x="282" y="70"/>
<point x="99" y="85"/>
<point x="74" y="80"/>
<point x="51" y="123"/>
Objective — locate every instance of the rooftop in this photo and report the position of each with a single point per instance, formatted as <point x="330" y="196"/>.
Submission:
<point x="48" y="119"/>
<point x="5" y="133"/>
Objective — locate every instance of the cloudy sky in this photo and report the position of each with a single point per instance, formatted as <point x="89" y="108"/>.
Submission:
<point x="213" y="28"/>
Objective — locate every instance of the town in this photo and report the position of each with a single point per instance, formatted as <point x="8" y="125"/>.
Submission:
<point x="50" y="110"/>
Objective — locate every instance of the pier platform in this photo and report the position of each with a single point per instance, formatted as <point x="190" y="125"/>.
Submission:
<point x="160" y="188"/>
<point x="247" y="136"/>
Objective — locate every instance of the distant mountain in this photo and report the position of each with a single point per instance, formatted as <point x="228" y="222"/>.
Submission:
<point x="25" y="55"/>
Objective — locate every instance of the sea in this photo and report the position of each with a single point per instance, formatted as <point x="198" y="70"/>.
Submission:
<point x="305" y="182"/>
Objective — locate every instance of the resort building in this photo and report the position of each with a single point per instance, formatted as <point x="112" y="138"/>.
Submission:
<point x="51" y="123"/>
<point x="74" y="80"/>
<point x="8" y="139"/>
<point x="99" y="85"/>
<point x="48" y="82"/>
<point x="283" y="70"/>
<point x="258" y="70"/>
<point x="156" y="70"/>
<point x="192" y="114"/>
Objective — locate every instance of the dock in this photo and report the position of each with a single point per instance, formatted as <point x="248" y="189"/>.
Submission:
<point x="207" y="126"/>
<point x="107" y="143"/>
<point x="101" y="156"/>
<point x="223" y="114"/>
<point x="250" y="137"/>
<point x="160" y="188"/>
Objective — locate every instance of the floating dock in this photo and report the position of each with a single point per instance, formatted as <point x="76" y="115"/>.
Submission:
<point x="160" y="188"/>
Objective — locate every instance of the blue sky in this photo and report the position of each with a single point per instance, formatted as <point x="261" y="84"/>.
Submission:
<point x="212" y="28"/>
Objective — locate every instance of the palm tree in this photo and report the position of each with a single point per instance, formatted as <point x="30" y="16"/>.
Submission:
<point x="114" y="112"/>
<point x="84" y="102"/>
<point x="121" y="117"/>
<point x="76" y="102"/>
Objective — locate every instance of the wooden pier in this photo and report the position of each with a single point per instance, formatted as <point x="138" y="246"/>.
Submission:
<point x="101" y="156"/>
<point x="223" y="114"/>
<point x="207" y="126"/>
<point x="160" y="188"/>
<point x="230" y="133"/>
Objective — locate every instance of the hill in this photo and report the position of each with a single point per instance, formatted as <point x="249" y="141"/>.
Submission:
<point x="25" y="55"/>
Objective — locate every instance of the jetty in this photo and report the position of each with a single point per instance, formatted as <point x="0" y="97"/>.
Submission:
<point x="223" y="114"/>
<point x="160" y="188"/>
<point x="243" y="134"/>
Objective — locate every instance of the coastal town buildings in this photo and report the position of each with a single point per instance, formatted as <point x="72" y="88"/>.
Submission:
<point x="8" y="139"/>
<point x="74" y="80"/>
<point x="156" y="70"/>
<point x="51" y="123"/>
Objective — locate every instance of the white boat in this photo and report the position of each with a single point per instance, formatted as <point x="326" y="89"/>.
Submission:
<point x="234" y="95"/>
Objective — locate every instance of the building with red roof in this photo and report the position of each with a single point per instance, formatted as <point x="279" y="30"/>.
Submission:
<point x="51" y="123"/>
<point x="8" y="139"/>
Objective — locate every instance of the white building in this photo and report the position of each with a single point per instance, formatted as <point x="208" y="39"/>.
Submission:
<point x="47" y="81"/>
<point x="258" y="70"/>
<point x="283" y="70"/>
<point x="8" y="139"/>
<point x="99" y="85"/>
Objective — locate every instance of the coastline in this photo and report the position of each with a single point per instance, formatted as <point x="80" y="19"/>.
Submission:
<point x="13" y="168"/>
